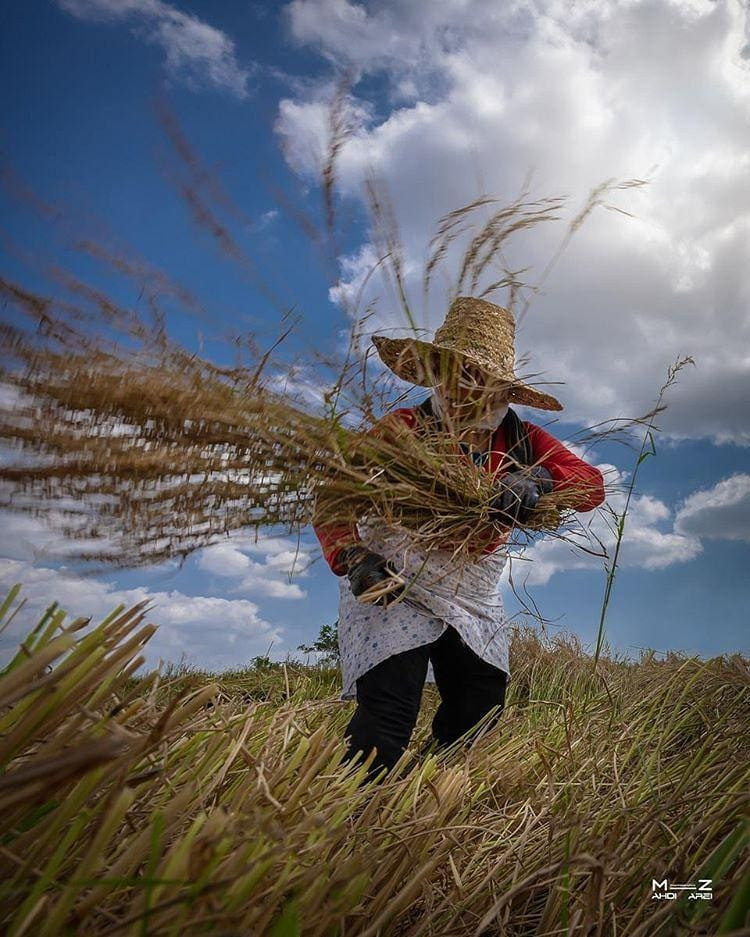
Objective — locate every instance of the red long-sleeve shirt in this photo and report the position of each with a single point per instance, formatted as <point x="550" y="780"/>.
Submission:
<point x="568" y="471"/>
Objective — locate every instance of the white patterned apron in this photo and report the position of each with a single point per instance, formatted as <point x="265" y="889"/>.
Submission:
<point x="466" y="596"/>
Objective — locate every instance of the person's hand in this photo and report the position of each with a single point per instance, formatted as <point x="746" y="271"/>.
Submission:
<point x="366" y="569"/>
<point x="519" y="494"/>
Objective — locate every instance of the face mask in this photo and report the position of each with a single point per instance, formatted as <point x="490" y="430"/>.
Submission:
<point x="488" y="420"/>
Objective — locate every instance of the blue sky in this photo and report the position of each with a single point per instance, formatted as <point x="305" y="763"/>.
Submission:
<point x="445" y="95"/>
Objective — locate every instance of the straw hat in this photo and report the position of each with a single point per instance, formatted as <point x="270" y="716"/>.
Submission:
<point x="478" y="331"/>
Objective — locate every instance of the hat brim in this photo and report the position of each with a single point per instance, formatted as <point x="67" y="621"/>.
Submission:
<point x="404" y="356"/>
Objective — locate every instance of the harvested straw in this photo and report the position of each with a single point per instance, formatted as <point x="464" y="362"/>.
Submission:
<point x="150" y="452"/>
<point x="197" y="803"/>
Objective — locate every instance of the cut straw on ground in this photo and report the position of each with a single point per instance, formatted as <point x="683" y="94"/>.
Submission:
<point x="219" y="804"/>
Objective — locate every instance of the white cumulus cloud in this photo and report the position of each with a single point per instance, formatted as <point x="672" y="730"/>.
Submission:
<point x="201" y="627"/>
<point x="209" y="631"/>
<point x="480" y="94"/>
<point x="721" y="512"/>
<point x="196" y="52"/>
<point x="652" y="539"/>
<point x="270" y="577"/>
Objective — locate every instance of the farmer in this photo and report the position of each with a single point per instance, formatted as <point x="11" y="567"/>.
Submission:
<point x="453" y="616"/>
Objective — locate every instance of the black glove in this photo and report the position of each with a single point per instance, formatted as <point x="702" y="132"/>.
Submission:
<point x="519" y="493"/>
<point x="366" y="569"/>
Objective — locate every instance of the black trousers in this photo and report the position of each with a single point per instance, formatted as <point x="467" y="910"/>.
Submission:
<point x="389" y="696"/>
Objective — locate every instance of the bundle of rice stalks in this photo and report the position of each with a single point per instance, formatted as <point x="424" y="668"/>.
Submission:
<point x="423" y="482"/>
<point x="148" y="451"/>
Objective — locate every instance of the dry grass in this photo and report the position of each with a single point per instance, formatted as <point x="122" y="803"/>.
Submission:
<point x="218" y="804"/>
